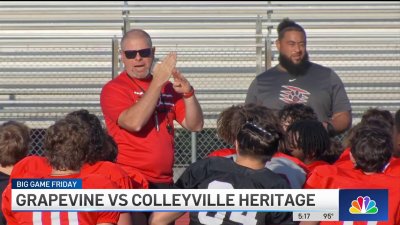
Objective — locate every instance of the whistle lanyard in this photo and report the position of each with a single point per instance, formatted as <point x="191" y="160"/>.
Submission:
<point x="156" y="122"/>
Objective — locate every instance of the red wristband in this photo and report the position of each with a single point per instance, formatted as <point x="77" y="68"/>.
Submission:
<point x="189" y="94"/>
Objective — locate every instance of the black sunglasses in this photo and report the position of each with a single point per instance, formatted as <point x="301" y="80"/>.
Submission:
<point x="131" y="54"/>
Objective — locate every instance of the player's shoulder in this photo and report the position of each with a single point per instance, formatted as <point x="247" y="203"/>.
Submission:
<point x="215" y="166"/>
<point x="393" y="168"/>
<point x="103" y="167"/>
<point x="280" y="158"/>
<point x="35" y="166"/>
<point x="97" y="181"/>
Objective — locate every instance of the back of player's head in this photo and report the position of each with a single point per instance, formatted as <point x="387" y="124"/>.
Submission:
<point x="110" y="150"/>
<point x="310" y="137"/>
<point x="335" y="150"/>
<point x="291" y="113"/>
<point x="14" y="142"/>
<point x="288" y="25"/>
<point x="260" y="135"/>
<point x="97" y="134"/>
<point x="378" y="114"/>
<point x="66" y="144"/>
<point x="371" y="148"/>
<point x="232" y="119"/>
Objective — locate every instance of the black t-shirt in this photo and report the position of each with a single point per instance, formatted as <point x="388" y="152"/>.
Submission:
<point x="4" y="178"/>
<point x="219" y="172"/>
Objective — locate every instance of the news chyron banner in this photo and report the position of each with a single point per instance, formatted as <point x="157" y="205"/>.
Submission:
<point x="306" y="204"/>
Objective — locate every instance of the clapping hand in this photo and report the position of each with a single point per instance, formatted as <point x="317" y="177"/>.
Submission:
<point x="163" y="69"/>
<point x="181" y="84"/>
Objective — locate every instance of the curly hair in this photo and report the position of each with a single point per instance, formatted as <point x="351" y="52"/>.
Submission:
<point x="14" y="142"/>
<point x="378" y="114"/>
<point x="98" y="136"/>
<point x="66" y="144"/>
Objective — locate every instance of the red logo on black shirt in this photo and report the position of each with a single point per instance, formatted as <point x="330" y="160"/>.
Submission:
<point x="291" y="94"/>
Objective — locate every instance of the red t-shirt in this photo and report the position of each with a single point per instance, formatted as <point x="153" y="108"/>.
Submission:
<point x="344" y="160"/>
<point x="93" y="181"/>
<point x="333" y="177"/>
<point x="38" y="166"/>
<point x="393" y="168"/>
<point x="115" y="173"/>
<point x="314" y="164"/>
<point x="149" y="151"/>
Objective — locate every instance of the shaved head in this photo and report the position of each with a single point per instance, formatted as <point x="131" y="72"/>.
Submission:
<point x="134" y="34"/>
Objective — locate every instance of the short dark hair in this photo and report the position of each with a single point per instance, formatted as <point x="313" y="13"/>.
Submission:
<point x="295" y="112"/>
<point x="232" y="119"/>
<point x="311" y="137"/>
<point x="371" y="148"/>
<point x="258" y="139"/>
<point x="378" y="114"/>
<point x="66" y="144"/>
<point x="288" y="25"/>
<point x="14" y="142"/>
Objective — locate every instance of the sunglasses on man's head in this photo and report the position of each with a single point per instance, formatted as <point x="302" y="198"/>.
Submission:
<point x="131" y="54"/>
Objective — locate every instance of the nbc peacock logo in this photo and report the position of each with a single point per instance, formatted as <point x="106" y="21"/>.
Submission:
<point x="363" y="205"/>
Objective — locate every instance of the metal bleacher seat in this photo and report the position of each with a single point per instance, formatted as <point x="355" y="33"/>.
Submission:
<point x="55" y="56"/>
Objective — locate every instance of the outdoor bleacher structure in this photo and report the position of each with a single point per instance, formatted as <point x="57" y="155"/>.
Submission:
<point x="56" y="56"/>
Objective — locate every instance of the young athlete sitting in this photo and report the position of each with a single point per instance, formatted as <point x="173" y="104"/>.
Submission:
<point x="256" y="142"/>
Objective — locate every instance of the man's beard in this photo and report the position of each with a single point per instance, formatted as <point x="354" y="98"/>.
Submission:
<point x="295" y="69"/>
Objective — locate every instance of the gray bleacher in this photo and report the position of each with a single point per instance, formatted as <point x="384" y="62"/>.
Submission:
<point x="55" y="56"/>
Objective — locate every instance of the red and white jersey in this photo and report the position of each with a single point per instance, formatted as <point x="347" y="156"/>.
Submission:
<point x="115" y="173"/>
<point x="35" y="166"/>
<point x="93" y="181"/>
<point x="333" y="177"/>
<point x="38" y="166"/>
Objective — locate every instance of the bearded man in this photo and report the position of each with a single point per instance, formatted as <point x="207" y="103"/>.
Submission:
<point x="297" y="80"/>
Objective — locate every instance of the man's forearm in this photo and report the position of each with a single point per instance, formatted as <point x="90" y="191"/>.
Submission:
<point x="194" y="115"/>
